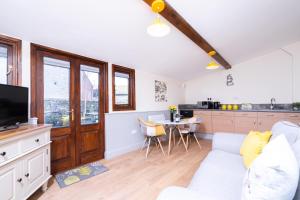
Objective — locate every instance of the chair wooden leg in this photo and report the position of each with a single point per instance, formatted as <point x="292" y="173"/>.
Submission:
<point x="162" y="149"/>
<point x="179" y="141"/>
<point x="170" y="138"/>
<point x="197" y="141"/>
<point x="149" y="142"/>
<point x="174" y="138"/>
<point x="182" y="140"/>
<point x="187" y="140"/>
<point x="144" y="144"/>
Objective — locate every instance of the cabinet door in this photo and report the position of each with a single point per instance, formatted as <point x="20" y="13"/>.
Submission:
<point x="267" y="120"/>
<point x="223" y="124"/>
<point x="206" y="125"/>
<point x="293" y="117"/>
<point x="245" y="124"/>
<point x="35" y="169"/>
<point x="10" y="182"/>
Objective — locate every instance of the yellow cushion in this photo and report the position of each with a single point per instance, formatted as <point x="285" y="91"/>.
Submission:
<point x="159" y="129"/>
<point x="253" y="145"/>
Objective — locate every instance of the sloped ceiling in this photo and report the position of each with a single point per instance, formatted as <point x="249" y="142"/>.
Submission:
<point x="115" y="30"/>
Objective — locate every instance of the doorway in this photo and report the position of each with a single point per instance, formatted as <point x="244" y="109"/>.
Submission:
<point x="70" y="92"/>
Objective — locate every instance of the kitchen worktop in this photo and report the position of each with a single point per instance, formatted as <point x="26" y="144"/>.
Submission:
<point x="253" y="110"/>
<point x="280" y="108"/>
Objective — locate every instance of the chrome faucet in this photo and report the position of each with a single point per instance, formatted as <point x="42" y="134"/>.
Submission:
<point x="273" y="102"/>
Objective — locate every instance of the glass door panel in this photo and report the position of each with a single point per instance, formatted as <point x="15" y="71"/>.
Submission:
<point x="57" y="92"/>
<point x="89" y="94"/>
<point x="3" y="64"/>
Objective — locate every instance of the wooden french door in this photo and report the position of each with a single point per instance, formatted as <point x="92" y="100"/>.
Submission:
<point x="69" y="92"/>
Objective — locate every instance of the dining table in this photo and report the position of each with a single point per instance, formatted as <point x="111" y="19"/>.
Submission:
<point x="176" y="125"/>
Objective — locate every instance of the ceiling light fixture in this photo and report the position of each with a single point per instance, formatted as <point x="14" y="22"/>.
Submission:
<point x="212" y="65"/>
<point x="158" y="28"/>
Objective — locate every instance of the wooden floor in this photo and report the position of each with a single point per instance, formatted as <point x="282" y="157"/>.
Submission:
<point x="134" y="177"/>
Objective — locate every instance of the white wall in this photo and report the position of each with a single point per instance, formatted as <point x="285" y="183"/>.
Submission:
<point x="144" y="86"/>
<point x="256" y="81"/>
<point x="145" y="91"/>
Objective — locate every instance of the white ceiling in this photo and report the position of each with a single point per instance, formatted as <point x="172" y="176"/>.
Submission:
<point x="115" y="30"/>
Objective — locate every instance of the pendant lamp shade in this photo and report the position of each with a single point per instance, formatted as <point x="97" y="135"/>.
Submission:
<point x="158" y="28"/>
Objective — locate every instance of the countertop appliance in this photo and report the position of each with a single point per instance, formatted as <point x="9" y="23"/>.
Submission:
<point x="13" y="106"/>
<point x="217" y="105"/>
<point x="186" y="113"/>
<point x="206" y="104"/>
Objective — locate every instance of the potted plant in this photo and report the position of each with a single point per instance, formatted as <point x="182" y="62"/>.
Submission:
<point x="173" y="110"/>
<point x="296" y="106"/>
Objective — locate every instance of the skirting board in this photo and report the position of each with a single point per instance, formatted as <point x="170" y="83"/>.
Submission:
<point x="117" y="152"/>
<point x="205" y="136"/>
<point x="112" y="154"/>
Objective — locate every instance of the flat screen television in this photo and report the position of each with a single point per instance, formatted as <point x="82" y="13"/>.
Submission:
<point x="13" y="106"/>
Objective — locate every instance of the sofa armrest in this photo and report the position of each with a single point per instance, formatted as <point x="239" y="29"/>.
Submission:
<point x="229" y="142"/>
<point x="178" y="193"/>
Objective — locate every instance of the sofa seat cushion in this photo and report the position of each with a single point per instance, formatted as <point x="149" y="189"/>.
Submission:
<point x="220" y="176"/>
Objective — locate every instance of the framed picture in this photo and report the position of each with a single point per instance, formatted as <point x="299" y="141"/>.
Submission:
<point x="160" y="91"/>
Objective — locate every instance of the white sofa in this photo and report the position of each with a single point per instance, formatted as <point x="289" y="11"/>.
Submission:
<point x="221" y="173"/>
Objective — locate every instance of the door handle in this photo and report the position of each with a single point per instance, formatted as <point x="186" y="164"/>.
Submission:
<point x="27" y="175"/>
<point x="10" y="68"/>
<point x="72" y="115"/>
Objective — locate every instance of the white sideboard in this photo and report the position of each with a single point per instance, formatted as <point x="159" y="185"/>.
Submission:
<point x="24" y="161"/>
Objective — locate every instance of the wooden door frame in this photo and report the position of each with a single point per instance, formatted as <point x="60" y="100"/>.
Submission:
<point x="16" y="51"/>
<point x="37" y="88"/>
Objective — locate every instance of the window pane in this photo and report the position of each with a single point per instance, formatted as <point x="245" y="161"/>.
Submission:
<point x="3" y="65"/>
<point x="121" y="88"/>
<point x="89" y="94"/>
<point x="56" y="92"/>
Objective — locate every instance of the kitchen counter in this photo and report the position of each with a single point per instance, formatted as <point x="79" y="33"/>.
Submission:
<point x="253" y="110"/>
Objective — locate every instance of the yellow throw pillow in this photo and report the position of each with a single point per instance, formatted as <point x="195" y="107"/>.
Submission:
<point x="253" y="145"/>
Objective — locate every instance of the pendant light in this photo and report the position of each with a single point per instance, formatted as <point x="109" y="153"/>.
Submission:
<point x="158" y="28"/>
<point x="212" y="65"/>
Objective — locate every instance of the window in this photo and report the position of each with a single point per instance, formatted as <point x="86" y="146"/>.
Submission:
<point x="10" y="61"/>
<point x="123" y="82"/>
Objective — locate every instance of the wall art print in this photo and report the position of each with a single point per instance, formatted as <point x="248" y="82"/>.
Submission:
<point x="161" y="91"/>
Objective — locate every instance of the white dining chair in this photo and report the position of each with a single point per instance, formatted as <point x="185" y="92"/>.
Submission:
<point x="190" y="130"/>
<point x="151" y="131"/>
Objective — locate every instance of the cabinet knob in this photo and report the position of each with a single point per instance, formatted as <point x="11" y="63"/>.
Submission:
<point x="37" y="140"/>
<point x="27" y="175"/>
<point x="3" y="153"/>
<point x="19" y="180"/>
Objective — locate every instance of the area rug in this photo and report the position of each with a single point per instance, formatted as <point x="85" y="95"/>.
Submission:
<point x="72" y="176"/>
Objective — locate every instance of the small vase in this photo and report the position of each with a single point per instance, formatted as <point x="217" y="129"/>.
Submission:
<point x="171" y="116"/>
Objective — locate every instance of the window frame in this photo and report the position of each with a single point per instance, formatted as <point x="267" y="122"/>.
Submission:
<point x="131" y="90"/>
<point x="14" y="55"/>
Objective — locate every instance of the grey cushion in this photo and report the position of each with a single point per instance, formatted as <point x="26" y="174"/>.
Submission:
<point x="291" y="131"/>
<point x="229" y="142"/>
<point x="220" y="176"/>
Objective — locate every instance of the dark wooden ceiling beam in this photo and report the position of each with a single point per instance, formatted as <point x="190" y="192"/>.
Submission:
<point x="170" y="14"/>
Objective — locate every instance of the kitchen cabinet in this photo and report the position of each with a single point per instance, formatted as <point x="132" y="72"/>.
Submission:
<point x="245" y="122"/>
<point x="266" y="120"/>
<point x="206" y="125"/>
<point x="223" y="121"/>
<point x="293" y="117"/>
<point x="241" y="122"/>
